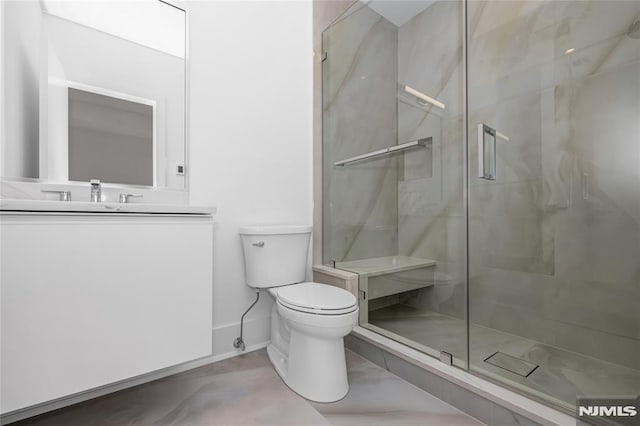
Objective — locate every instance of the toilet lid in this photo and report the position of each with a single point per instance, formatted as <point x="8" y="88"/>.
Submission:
<point x="316" y="296"/>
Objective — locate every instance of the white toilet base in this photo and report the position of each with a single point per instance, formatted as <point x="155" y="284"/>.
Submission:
<point x="315" y="369"/>
<point x="308" y="320"/>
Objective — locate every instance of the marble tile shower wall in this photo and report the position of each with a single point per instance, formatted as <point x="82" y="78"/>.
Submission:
<point x="555" y="240"/>
<point x="359" y="116"/>
<point x="431" y="216"/>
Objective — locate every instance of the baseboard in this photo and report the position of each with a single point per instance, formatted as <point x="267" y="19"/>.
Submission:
<point x="256" y="336"/>
<point x="256" y="330"/>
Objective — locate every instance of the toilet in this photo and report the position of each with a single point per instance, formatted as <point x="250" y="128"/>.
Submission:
<point x="308" y="319"/>
<point x="443" y="287"/>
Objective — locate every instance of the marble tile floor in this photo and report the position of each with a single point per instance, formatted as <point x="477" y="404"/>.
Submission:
<point x="246" y="390"/>
<point x="561" y="374"/>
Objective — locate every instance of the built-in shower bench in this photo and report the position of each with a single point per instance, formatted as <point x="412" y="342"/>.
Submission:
<point x="382" y="277"/>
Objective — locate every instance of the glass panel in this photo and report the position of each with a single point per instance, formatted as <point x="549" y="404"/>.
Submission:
<point x="555" y="239"/>
<point x="393" y="74"/>
<point x="359" y="117"/>
<point x="554" y="226"/>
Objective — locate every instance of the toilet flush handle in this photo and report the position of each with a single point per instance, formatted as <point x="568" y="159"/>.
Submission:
<point x="258" y="244"/>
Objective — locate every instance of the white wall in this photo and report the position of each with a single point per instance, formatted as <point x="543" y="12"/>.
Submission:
<point x="251" y="137"/>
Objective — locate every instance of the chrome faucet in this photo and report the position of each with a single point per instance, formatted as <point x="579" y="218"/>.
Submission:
<point x="96" y="191"/>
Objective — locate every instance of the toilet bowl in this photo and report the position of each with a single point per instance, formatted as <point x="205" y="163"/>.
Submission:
<point x="443" y="287"/>
<point x="308" y="319"/>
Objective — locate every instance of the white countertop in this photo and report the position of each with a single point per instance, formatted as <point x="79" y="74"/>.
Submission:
<point x="25" y="205"/>
<point x="384" y="265"/>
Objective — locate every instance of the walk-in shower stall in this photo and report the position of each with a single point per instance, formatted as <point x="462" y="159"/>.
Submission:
<point x="481" y="174"/>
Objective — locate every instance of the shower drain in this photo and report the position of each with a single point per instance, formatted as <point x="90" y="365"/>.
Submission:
<point x="510" y="363"/>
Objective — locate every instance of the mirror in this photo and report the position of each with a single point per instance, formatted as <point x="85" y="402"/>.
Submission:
<point x="94" y="90"/>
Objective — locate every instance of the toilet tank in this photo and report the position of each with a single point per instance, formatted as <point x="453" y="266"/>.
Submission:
<point x="275" y="255"/>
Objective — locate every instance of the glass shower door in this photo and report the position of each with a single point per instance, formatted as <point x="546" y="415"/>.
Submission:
<point x="393" y="172"/>
<point x="550" y="168"/>
<point x="555" y="231"/>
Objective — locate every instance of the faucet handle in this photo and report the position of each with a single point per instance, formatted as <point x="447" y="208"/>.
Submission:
<point x="64" y="195"/>
<point x="124" y="198"/>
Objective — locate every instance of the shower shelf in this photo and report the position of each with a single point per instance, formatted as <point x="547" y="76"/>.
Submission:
<point x="420" y="143"/>
<point x="427" y="109"/>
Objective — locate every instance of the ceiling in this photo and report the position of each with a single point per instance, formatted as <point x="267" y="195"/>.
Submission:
<point x="399" y="12"/>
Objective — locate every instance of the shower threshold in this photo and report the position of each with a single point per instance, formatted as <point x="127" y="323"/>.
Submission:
<point x="531" y="408"/>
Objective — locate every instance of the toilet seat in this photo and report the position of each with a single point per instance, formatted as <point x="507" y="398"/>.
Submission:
<point x="316" y="298"/>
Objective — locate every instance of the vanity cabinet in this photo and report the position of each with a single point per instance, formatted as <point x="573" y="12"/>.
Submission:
<point x="92" y="299"/>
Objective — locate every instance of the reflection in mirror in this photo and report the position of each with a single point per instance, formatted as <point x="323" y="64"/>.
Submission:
<point x="110" y="138"/>
<point x="94" y="90"/>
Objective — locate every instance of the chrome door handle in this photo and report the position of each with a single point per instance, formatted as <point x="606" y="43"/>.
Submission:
<point x="258" y="244"/>
<point x="486" y="152"/>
